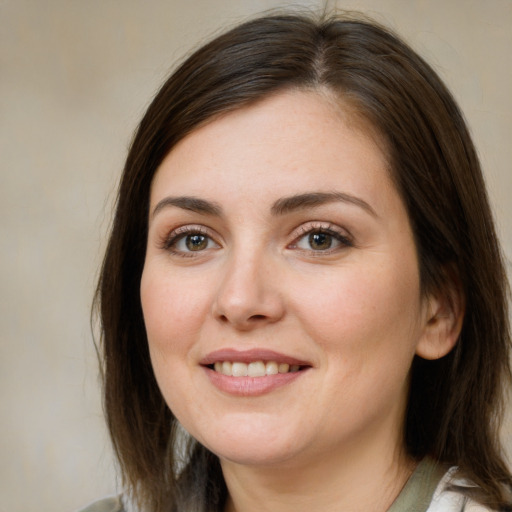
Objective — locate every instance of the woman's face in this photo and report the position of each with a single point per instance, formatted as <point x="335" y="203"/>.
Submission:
<point x="279" y="247"/>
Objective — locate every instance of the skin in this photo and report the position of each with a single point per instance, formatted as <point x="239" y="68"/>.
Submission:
<point x="331" y="439"/>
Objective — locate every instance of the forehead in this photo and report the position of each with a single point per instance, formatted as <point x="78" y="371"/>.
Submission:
<point x="284" y="144"/>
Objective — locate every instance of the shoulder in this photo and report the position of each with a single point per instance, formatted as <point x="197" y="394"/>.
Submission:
<point x="452" y="495"/>
<point x="110" y="504"/>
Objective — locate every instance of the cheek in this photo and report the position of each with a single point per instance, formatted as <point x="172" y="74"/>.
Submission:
<point x="367" y="310"/>
<point x="173" y="313"/>
<point x="367" y="323"/>
<point x="172" y="309"/>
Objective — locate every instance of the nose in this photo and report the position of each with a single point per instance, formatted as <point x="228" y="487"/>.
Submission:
<point x="248" y="293"/>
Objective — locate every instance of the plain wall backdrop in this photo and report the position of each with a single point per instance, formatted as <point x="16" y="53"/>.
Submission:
<point x="75" y="77"/>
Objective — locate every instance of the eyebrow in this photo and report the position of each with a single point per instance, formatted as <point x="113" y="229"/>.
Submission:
<point x="280" y="207"/>
<point x="194" y="204"/>
<point x="313" y="199"/>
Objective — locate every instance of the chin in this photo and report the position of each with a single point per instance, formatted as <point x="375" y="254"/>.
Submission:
<point x="252" y="444"/>
<point x="253" y="455"/>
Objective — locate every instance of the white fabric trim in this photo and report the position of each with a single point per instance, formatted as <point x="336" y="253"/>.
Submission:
<point x="445" y="500"/>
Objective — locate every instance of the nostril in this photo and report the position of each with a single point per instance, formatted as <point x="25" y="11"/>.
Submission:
<point x="257" y="317"/>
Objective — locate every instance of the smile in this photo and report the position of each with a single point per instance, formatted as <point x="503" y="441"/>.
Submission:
<point x="252" y="372"/>
<point x="253" y="369"/>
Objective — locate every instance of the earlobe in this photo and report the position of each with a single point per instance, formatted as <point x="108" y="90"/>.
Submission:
<point x="443" y="322"/>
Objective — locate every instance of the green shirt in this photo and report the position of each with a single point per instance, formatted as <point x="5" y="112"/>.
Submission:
<point x="417" y="493"/>
<point x="425" y="491"/>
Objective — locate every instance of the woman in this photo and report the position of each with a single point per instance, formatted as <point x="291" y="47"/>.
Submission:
<point x="303" y="301"/>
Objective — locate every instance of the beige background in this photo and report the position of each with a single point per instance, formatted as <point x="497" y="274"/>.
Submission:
<point x="75" y="77"/>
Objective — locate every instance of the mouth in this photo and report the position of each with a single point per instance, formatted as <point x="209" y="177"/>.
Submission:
<point x="252" y="372"/>
<point x="254" y="369"/>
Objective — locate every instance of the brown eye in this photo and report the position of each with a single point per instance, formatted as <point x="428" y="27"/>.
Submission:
<point x="320" y="241"/>
<point x="190" y="241"/>
<point x="196" y="242"/>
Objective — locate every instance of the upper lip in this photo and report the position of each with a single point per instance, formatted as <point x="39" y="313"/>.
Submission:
<point x="248" y="356"/>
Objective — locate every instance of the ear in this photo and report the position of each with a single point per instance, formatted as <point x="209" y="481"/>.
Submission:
<point x="444" y="314"/>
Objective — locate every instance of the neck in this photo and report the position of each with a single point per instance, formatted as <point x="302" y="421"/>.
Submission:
<point x="350" y="480"/>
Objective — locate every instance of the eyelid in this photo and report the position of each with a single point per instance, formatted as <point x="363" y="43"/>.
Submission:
<point x="171" y="238"/>
<point x="341" y="235"/>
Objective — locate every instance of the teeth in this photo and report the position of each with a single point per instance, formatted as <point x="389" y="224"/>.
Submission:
<point x="271" y="368"/>
<point x="239" y="370"/>
<point x="284" y="367"/>
<point x="227" y="368"/>
<point x="254" y="369"/>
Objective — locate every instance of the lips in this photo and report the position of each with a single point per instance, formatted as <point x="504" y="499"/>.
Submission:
<point x="251" y="372"/>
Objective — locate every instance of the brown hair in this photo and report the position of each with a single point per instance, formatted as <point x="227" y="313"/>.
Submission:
<point x="455" y="403"/>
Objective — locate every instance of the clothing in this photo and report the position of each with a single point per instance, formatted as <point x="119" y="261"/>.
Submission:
<point x="432" y="489"/>
<point x="111" y="504"/>
<point x="429" y="489"/>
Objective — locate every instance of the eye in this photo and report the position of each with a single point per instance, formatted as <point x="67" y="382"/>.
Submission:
<point x="320" y="239"/>
<point x="186" y="240"/>
<point x="192" y="242"/>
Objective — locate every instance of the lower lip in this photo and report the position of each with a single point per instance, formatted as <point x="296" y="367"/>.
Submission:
<point x="251" y="386"/>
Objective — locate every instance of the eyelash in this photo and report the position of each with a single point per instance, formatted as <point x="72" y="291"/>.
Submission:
<point x="321" y="228"/>
<point x="170" y="241"/>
